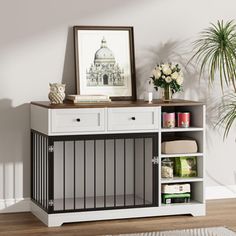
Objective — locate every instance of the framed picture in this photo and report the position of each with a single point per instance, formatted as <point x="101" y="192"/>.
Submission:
<point x="104" y="61"/>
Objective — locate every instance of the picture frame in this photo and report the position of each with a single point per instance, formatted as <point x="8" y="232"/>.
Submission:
<point x="105" y="61"/>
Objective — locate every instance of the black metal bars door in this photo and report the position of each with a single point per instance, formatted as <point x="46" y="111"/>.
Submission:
<point x="94" y="172"/>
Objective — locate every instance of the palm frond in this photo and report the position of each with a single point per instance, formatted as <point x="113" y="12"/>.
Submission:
<point x="215" y="51"/>
<point x="228" y="114"/>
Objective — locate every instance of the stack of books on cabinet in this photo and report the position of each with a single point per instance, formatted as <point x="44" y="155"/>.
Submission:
<point x="88" y="98"/>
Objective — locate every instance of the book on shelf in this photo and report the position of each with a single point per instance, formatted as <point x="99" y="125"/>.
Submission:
<point x="88" y="98"/>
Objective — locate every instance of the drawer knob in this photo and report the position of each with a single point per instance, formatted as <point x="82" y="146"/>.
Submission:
<point x="133" y="118"/>
<point x="78" y="119"/>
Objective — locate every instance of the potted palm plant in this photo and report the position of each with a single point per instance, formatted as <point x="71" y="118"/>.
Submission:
<point x="215" y="51"/>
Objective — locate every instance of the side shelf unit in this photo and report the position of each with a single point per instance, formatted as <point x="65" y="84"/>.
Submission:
<point x="96" y="162"/>
<point x="196" y="131"/>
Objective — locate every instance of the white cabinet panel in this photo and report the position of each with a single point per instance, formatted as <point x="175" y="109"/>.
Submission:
<point x="133" y="118"/>
<point x="77" y="120"/>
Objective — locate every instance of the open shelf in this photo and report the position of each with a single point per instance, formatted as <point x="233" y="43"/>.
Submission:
<point x="196" y="117"/>
<point x="181" y="180"/>
<point x="196" y="134"/>
<point x="197" y="190"/>
<point x="177" y="179"/>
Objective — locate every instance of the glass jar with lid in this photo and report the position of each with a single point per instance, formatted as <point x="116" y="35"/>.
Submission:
<point x="167" y="168"/>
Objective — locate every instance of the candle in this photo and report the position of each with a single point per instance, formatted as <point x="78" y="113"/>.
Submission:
<point x="150" y="97"/>
<point x="168" y="120"/>
<point x="183" y="119"/>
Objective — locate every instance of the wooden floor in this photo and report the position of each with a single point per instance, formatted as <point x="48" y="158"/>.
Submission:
<point x="219" y="213"/>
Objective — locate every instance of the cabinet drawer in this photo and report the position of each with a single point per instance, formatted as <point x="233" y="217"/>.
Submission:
<point x="137" y="118"/>
<point x="77" y="120"/>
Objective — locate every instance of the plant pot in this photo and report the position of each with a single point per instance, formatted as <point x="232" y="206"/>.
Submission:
<point x="166" y="94"/>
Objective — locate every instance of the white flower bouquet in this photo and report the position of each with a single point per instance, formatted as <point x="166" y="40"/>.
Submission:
<point x="168" y="76"/>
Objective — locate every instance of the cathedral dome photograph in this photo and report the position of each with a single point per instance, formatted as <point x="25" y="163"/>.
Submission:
<point x="104" y="71"/>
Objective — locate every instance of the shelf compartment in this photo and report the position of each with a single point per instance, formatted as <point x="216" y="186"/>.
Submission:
<point x="197" y="191"/>
<point x="197" y="135"/>
<point x="181" y="180"/>
<point x="197" y="114"/>
<point x="176" y="179"/>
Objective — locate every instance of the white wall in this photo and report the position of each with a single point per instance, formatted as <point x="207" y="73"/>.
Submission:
<point x="36" y="47"/>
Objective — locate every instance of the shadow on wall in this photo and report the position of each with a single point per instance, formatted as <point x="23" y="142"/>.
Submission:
<point x="146" y="60"/>
<point x="68" y="76"/>
<point x="175" y="52"/>
<point x="15" y="152"/>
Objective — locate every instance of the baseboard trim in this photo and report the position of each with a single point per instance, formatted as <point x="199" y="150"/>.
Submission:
<point x="15" y="205"/>
<point x="220" y="192"/>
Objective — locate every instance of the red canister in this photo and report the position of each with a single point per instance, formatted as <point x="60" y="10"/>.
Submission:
<point x="168" y="120"/>
<point x="183" y="119"/>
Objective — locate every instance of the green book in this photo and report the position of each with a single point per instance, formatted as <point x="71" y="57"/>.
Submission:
<point x="177" y="195"/>
<point x="176" y="198"/>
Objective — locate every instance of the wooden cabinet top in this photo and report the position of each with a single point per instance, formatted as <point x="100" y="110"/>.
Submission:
<point x="137" y="103"/>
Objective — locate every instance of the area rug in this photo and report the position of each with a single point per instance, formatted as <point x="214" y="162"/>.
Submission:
<point x="216" y="231"/>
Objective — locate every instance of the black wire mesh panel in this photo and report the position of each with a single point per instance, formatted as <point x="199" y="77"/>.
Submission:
<point x="94" y="172"/>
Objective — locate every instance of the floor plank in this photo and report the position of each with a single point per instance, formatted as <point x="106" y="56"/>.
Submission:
<point x="219" y="213"/>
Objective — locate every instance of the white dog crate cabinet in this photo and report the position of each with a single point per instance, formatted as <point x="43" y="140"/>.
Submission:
<point x="103" y="161"/>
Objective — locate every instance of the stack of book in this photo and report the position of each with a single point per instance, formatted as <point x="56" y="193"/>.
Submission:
<point x="176" y="193"/>
<point x="88" y="98"/>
